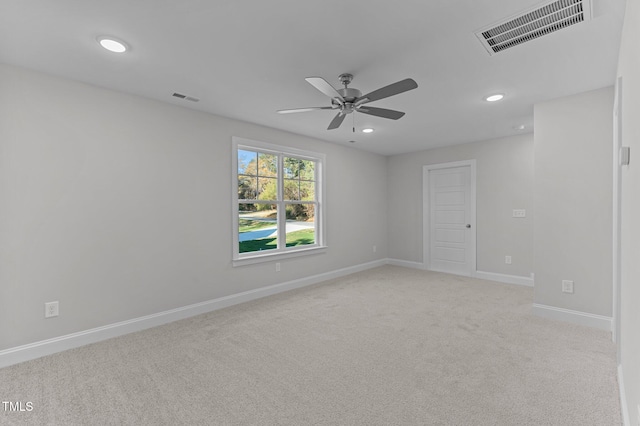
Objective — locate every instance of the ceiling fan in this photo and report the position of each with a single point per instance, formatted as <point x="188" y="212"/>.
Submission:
<point x="349" y="100"/>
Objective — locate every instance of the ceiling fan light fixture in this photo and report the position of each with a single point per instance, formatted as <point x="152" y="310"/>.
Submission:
<point x="495" y="97"/>
<point x="367" y="130"/>
<point x="112" y="44"/>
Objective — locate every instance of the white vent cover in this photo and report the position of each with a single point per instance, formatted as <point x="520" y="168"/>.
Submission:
<point x="533" y="23"/>
<point x="186" y="97"/>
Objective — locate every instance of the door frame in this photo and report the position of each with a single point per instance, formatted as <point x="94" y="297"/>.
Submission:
<point x="426" y="210"/>
<point x="617" y="216"/>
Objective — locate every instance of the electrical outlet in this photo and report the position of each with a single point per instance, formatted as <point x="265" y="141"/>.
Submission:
<point x="375" y="249"/>
<point x="51" y="309"/>
<point x="507" y="260"/>
<point x="278" y="267"/>
<point x="567" y="286"/>
<point x="519" y="213"/>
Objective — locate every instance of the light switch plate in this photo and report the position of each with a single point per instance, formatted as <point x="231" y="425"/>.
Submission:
<point x="567" y="286"/>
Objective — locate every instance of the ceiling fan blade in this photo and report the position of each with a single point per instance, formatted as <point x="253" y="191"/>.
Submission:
<point x="390" y="90"/>
<point x="322" y="85"/>
<point x="381" y="112"/>
<point x="289" y="111"/>
<point x="337" y="121"/>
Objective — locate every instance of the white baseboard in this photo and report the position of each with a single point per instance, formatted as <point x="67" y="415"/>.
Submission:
<point x="623" y="398"/>
<point x="491" y="276"/>
<point x="405" y="263"/>
<point x="57" y="344"/>
<point x="575" y="317"/>
<point x="504" y="278"/>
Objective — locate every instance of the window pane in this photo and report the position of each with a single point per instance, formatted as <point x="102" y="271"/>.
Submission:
<point x="247" y="187"/>
<point x="267" y="189"/>
<point x="276" y="188"/>
<point x="307" y="170"/>
<point x="291" y="189"/>
<point x="307" y="191"/>
<point x="257" y="227"/>
<point x="247" y="162"/>
<point x="301" y="212"/>
<point x="301" y="229"/>
<point x="291" y="167"/>
<point x="267" y="165"/>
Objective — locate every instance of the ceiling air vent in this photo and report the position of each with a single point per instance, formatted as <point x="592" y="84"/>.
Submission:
<point x="188" y="98"/>
<point x="534" y="23"/>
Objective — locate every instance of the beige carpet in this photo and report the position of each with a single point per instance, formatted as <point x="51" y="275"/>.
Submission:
<point x="388" y="346"/>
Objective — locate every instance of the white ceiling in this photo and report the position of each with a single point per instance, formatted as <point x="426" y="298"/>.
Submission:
<point x="245" y="59"/>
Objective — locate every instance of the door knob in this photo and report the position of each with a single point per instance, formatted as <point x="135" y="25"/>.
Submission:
<point x="468" y="225"/>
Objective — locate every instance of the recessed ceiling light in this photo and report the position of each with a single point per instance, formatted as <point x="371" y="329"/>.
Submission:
<point x="494" y="98"/>
<point x="368" y="130"/>
<point x="112" y="45"/>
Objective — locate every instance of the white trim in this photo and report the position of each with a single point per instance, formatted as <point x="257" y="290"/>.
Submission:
<point x="617" y="215"/>
<point x="426" y="256"/>
<point x="442" y="271"/>
<point x="272" y="257"/>
<point x="57" y="344"/>
<point x="282" y="252"/>
<point x="405" y="263"/>
<point x="623" y="398"/>
<point x="576" y="317"/>
<point x="491" y="276"/>
<point x="505" y="278"/>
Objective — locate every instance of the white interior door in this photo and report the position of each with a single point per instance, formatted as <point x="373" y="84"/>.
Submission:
<point x="452" y="220"/>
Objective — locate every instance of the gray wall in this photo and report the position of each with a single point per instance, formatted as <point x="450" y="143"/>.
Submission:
<point x="629" y="69"/>
<point x="504" y="182"/>
<point x="119" y="207"/>
<point x="573" y="199"/>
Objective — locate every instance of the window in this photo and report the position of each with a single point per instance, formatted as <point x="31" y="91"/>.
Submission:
<point x="277" y="201"/>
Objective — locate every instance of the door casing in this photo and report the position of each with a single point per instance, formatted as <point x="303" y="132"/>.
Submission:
<point x="426" y="211"/>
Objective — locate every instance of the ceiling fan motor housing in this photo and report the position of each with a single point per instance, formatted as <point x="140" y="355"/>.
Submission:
<point x="349" y="94"/>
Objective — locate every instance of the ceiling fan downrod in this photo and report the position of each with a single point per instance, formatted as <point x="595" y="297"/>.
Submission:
<point x="345" y="79"/>
<point x="349" y="95"/>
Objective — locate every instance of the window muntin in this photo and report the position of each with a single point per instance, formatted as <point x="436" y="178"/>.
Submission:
<point x="277" y="200"/>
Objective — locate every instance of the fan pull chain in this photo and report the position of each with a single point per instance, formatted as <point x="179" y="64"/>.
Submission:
<point x="353" y="117"/>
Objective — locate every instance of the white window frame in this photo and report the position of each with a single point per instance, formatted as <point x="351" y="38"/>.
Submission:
<point x="283" y="252"/>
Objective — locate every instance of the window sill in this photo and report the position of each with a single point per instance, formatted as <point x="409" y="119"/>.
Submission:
<point x="270" y="257"/>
